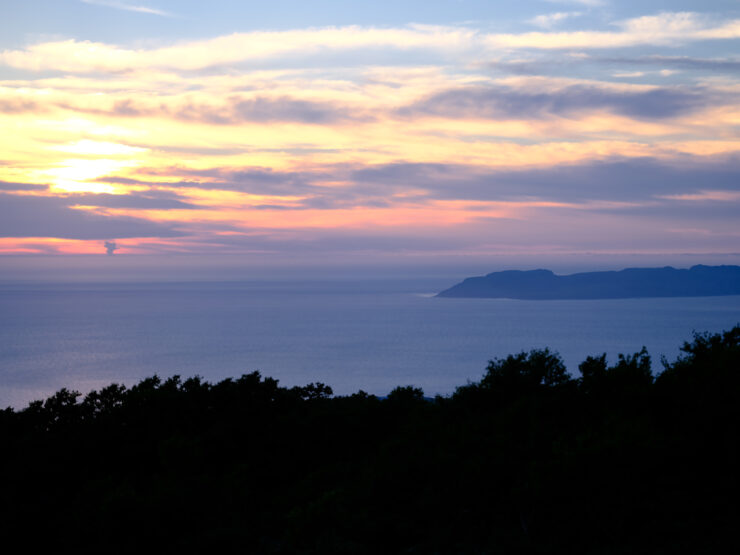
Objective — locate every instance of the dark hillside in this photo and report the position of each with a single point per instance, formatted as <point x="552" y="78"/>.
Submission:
<point x="698" y="281"/>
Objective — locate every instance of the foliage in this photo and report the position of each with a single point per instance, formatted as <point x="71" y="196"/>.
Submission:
<point x="526" y="371"/>
<point x="527" y="460"/>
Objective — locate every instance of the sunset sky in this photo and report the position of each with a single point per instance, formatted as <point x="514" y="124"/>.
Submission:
<point x="330" y="131"/>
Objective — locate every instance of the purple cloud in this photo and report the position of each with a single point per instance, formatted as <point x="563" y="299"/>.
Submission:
<point x="33" y="216"/>
<point x="505" y="103"/>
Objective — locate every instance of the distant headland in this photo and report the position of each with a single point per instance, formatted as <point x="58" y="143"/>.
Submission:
<point x="697" y="281"/>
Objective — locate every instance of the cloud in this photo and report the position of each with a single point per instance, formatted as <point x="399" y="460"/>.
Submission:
<point x="526" y="66"/>
<point x="88" y="147"/>
<point x="707" y="196"/>
<point x="35" y="216"/>
<point x="407" y="206"/>
<point x="123" y="180"/>
<point x="269" y="110"/>
<point x="668" y="28"/>
<point x="588" y="3"/>
<point x="236" y="110"/>
<point x="85" y="56"/>
<point x="294" y="47"/>
<point x="127" y="7"/>
<point x="620" y="180"/>
<point x="551" y="65"/>
<point x="547" y="21"/>
<point x="628" y="74"/>
<point x="256" y="180"/>
<point x="503" y="103"/>
<point x="717" y="215"/>
<point x="153" y="200"/>
<point x="19" y="106"/>
<point x="731" y="65"/>
<point x="11" y="186"/>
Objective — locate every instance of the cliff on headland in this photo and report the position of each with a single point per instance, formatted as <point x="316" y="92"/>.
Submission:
<point x="698" y="281"/>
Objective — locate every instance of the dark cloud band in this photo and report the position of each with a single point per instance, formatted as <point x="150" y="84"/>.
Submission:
<point x="34" y="216"/>
<point x="502" y="103"/>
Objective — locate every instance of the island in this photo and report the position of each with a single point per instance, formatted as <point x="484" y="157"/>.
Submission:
<point x="697" y="281"/>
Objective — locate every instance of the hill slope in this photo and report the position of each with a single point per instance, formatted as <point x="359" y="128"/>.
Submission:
<point x="698" y="281"/>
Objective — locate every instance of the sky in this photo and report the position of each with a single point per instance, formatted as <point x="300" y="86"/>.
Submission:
<point x="235" y="134"/>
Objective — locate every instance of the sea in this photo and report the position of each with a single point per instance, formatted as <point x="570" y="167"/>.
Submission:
<point x="350" y="334"/>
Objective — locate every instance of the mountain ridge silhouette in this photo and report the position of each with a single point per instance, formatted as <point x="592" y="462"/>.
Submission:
<point x="541" y="284"/>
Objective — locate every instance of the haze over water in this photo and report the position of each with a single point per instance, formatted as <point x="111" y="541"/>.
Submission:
<point x="371" y="335"/>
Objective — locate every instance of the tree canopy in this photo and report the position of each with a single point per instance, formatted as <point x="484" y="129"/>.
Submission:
<point x="527" y="460"/>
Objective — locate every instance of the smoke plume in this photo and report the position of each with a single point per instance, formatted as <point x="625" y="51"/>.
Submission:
<point x="110" y="247"/>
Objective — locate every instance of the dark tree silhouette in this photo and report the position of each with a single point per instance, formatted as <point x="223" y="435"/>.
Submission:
<point x="526" y="371"/>
<point x="527" y="460"/>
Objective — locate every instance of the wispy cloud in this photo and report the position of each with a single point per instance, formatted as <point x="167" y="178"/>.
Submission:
<point x="628" y="74"/>
<point x="14" y="106"/>
<point x="10" y="186"/>
<point x="547" y="21"/>
<point x="297" y="45"/>
<point x="294" y="47"/>
<point x="730" y="65"/>
<point x="268" y="110"/>
<point x="43" y="216"/>
<point x="502" y="103"/>
<point x="668" y="28"/>
<point x="588" y="3"/>
<point x="128" y="7"/>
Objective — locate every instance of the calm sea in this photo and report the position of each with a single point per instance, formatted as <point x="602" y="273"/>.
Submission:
<point x="351" y="335"/>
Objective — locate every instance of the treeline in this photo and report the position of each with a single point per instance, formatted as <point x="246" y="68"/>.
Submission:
<point x="528" y="460"/>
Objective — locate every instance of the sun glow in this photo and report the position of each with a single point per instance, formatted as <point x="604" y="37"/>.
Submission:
<point x="87" y="147"/>
<point x="78" y="175"/>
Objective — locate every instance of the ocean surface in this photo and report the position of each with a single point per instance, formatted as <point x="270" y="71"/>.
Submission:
<point x="351" y="335"/>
